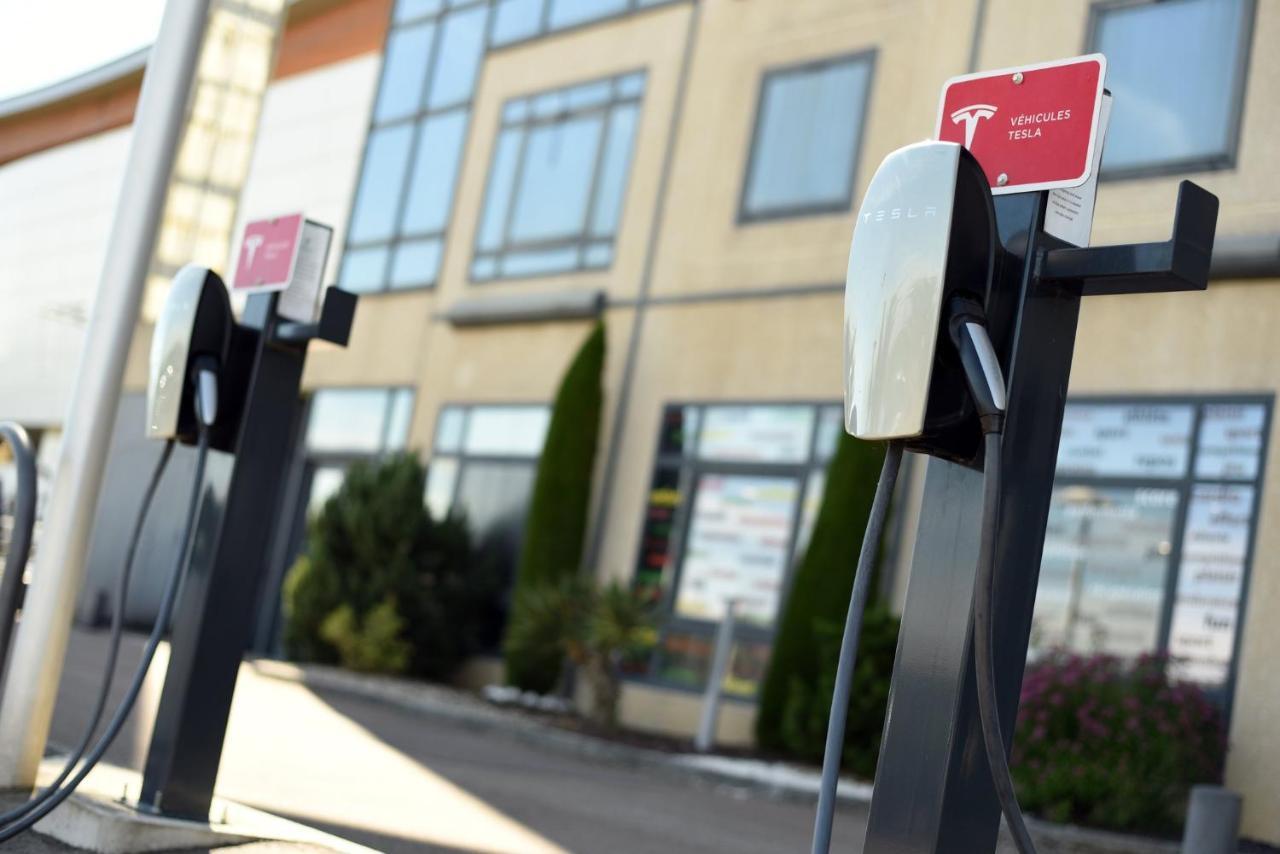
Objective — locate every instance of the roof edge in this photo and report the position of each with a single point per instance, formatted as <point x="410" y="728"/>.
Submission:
<point x="79" y="84"/>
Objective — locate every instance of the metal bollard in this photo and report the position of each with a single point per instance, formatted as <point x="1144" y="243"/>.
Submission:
<point x="1213" y="821"/>
<point x="706" y="737"/>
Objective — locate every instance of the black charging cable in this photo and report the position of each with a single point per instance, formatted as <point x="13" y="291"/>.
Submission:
<point x="51" y="797"/>
<point x="968" y="330"/>
<point x="113" y="644"/>
<point x="849" y="648"/>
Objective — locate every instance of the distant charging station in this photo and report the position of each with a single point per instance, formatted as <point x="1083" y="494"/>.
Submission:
<point x="965" y="278"/>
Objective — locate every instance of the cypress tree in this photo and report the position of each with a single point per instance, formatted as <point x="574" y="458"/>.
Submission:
<point x="819" y="597"/>
<point x="557" y="521"/>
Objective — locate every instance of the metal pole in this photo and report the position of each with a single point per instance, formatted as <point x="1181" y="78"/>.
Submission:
<point x="32" y="682"/>
<point x="933" y="790"/>
<point x="24" y="519"/>
<point x="706" y="737"/>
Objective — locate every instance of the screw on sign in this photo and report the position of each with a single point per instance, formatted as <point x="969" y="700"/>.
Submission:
<point x="1031" y="128"/>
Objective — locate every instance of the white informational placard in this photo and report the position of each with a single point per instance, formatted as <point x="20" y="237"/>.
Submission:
<point x="1069" y="212"/>
<point x="301" y="300"/>
<point x="737" y="547"/>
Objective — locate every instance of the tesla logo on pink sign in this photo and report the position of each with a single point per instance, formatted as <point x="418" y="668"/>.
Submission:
<point x="268" y="254"/>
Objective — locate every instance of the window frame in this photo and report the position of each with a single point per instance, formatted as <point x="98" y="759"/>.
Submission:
<point x="690" y="469"/>
<point x="545" y="30"/>
<point x="583" y="241"/>
<point x="346" y="456"/>
<point x="415" y="120"/>
<point x="461" y="456"/>
<point x="745" y="217"/>
<point x="1184" y="486"/>
<point x="1229" y="158"/>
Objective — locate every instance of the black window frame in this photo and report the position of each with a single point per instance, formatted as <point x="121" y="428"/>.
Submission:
<point x="1228" y="159"/>
<point x="690" y="469"/>
<point x="583" y="241"/>
<point x="1184" y="486"/>
<point x="746" y="217"/>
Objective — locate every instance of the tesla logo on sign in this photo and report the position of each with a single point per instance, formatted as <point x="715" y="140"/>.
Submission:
<point x="1032" y="127"/>
<point x="971" y="115"/>
<point x="268" y="254"/>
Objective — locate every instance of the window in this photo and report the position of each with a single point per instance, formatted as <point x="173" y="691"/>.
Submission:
<point x="1177" y="70"/>
<point x="808" y="128"/>
<point x="404" y="199"/>
<point x="482" y="467"/>
<point x="557" y="180"/>
<point x="347" y="424"/>
<point x="734" y="494"/>
<point x="518" y="20"/>
<point x="1150" y="531"/>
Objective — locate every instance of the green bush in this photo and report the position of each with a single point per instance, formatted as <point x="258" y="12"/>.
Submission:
<point x="374" y="547"/>
<point x="808" y="703"/>
<point x="794" y="705"/>
<point x="1113" y="745"/>
<point x="557" y="521"/>
<point x="595" y="629"/>
<point x="545" y="620"/>
<point x="374" y="644"/>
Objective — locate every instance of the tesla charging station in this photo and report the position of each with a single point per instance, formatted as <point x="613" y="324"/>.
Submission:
<point x="280" y="269"/>
<point x="980" y="236"/>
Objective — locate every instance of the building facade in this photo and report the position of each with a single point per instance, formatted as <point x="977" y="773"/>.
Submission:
<point x="502" y="173"/>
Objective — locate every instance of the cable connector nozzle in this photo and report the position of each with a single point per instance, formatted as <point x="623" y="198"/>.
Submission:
<point x="967" y="326"/>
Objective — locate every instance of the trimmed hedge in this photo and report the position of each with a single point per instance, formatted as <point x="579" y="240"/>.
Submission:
<point x="557" y="521"/>
<point x="795" y="697"/>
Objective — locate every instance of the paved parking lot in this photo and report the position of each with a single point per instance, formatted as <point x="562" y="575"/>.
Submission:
<point x="397" y="782"/>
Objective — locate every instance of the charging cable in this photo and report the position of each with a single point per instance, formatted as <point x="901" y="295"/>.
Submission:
<point x="986" y="385"/>
<point x="968" y="331"/>
<point x="52" y="796"/>
<point x="849" y="648"/>
<point x="113" y="644"/>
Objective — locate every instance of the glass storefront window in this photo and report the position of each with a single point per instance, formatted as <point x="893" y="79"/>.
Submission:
<point x="483" y="469"/>
<point x="358" y="420"/>
<point x="1150" y="531"/>
<point x="731" y="504"/>
<point x="1104" y="570"/>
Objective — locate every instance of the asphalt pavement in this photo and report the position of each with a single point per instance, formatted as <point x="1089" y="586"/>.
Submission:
<point x="399" y="782"/>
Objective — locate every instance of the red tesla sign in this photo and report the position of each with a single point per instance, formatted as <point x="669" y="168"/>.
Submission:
<point x="268" y="254"/>
<point x="1031" y="128"/>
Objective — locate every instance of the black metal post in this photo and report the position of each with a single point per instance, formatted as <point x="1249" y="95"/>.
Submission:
<point x="215" y="613"/>
<point x="933" y="790"/>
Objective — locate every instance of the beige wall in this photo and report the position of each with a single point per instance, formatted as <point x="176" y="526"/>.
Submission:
<point x="703" y="248"/>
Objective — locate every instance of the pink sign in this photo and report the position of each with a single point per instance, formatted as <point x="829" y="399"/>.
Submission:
<point x="268" y="253"/>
